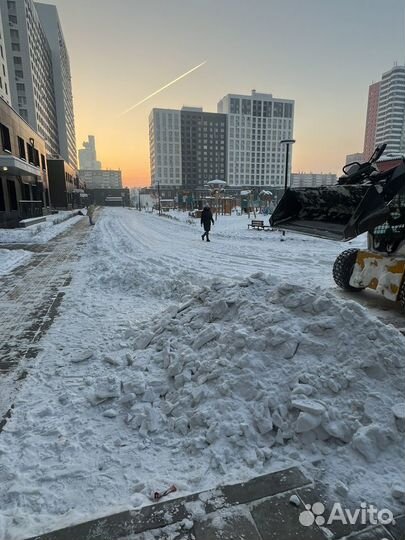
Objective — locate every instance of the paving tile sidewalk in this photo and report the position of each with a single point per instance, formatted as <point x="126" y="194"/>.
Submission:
<point x="260" y="509"/>
<point x="29" y="300"/>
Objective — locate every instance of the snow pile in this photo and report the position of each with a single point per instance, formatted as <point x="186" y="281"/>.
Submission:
<point x="255" y="371"/>
<point x="241" y="379"/>
<point x="54" y="225"/>
<point x="11" y="258"/>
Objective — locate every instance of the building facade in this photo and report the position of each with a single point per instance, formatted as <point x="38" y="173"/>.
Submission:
<point x="313" y="179"/>
<point x="356" y="157"/>
<point x="255" y="126"/>
<point x="187" y="147"/>
<point x="104" y="179"/>
<point x="88" y="155"/>
<point x="203" y="147"/>
<point x="64" y="183"/>
<point x="391" y="111"/>
<point x="165" y="147"/>
<point x="24" y="191"/>
<point x="109" y="197"/>
<point x="29" y="60"/>
<point x="4" y="82"/>
<point x="62" y="78"/>
<point x="371" y="120"/>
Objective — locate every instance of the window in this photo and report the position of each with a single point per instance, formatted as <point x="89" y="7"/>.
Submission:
<point x="5" y="138"/>
<point x="288" y="110"/>
<point x="30" y="149"/>
<point x="257" y="108"/>
<point x="19" y="74"/>
<point x="2" y="201"/>
<point x="21" y="147"/>
<point x="17" y="60"/>
<point x="15" y="47"/>
<point x="12" y="19"/>
<point x="12" y="194"/>
<point x="267" y="109"/>
<point x="278" y="109"/>
<point x="235" y="106"/>
<point x="246" y="106"/>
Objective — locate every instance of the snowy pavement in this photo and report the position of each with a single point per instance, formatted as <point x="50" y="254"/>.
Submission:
<point x="12" y="258"/>
<point x="178" y="361"/>
<point x="27" y="297"/>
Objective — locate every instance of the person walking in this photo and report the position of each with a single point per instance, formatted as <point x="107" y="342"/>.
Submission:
<point x="206" y="220"/>
<point x="90" y="213"/>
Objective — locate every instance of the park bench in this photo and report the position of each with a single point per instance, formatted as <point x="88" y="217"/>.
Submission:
<point x="259" y="225"/>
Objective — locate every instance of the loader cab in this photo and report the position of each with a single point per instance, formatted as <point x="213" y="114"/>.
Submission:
<point x="355" y="173"/>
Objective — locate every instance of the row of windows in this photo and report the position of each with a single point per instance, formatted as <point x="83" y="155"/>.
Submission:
<point x="27" y="151"/>
<point x="247" y="182"/>
<point x="258" y="108"/>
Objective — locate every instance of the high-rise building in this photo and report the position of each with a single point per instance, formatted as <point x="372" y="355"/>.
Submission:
<point x="106" y="179"/>
<point x="187" y="147"/>
<point x="371" y="121"/>
<point x="386" y="113"/>
<point x="88" y="155"/>
<point x="52" y="27"/>
<point x="391" y="111"/>
<point x="203" y="147"/>
<point x="4" y="83"/>
<point x="255" y="126"/>
<point x="29" y="60"/>
<point x="165" y="147"/>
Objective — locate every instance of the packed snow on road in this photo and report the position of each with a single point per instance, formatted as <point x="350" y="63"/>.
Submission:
<point x="175" y="361"/>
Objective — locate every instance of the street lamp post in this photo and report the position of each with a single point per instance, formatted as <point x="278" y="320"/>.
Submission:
<point x="159" y="208"/>
<point x="287" y="142"/>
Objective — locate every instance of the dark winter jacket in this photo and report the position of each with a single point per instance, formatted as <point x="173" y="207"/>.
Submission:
<point x="207" y="219"/>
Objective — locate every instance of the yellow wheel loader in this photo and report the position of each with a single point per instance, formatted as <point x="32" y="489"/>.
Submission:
<point x="364" y="200"/>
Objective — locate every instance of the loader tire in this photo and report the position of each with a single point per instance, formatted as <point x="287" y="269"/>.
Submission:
<point x="401" y="296"/>
<point x="343" y="268"/>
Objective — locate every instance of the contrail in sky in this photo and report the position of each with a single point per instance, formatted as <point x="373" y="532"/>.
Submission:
<point x="163" y="88"/>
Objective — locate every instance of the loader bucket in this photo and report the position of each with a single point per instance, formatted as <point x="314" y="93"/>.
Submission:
<point x="339" y="212"/>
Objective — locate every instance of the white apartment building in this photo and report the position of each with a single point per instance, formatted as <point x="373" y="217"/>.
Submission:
<point x="391" y="111"/>
<point x="256" y="125"/>
<point x="302" y="179"/>
<point x="103" y="179"/>
<point x="29" y="60"/>
<point x="62" y="78"/>
<point x="4" y="83"/>
<point x="165" y="147"/>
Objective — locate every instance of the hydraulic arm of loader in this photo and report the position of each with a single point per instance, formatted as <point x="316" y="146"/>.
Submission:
<point x="339" y="212"/>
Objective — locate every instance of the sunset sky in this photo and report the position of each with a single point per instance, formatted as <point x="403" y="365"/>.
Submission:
<point x="321" y="53"/>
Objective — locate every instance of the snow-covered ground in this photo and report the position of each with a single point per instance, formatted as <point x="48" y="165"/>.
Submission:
<point x="178" y="361"/>
<point x="54" y="225"/>
<point x="11" y="259"/>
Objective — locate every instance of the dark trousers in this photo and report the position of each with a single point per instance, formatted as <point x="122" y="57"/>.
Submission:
<point x="206" y="235"/>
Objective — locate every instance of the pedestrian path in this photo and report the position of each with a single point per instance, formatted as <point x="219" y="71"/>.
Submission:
<point x="29" y="298"/>
<point x="270" y="507"/>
